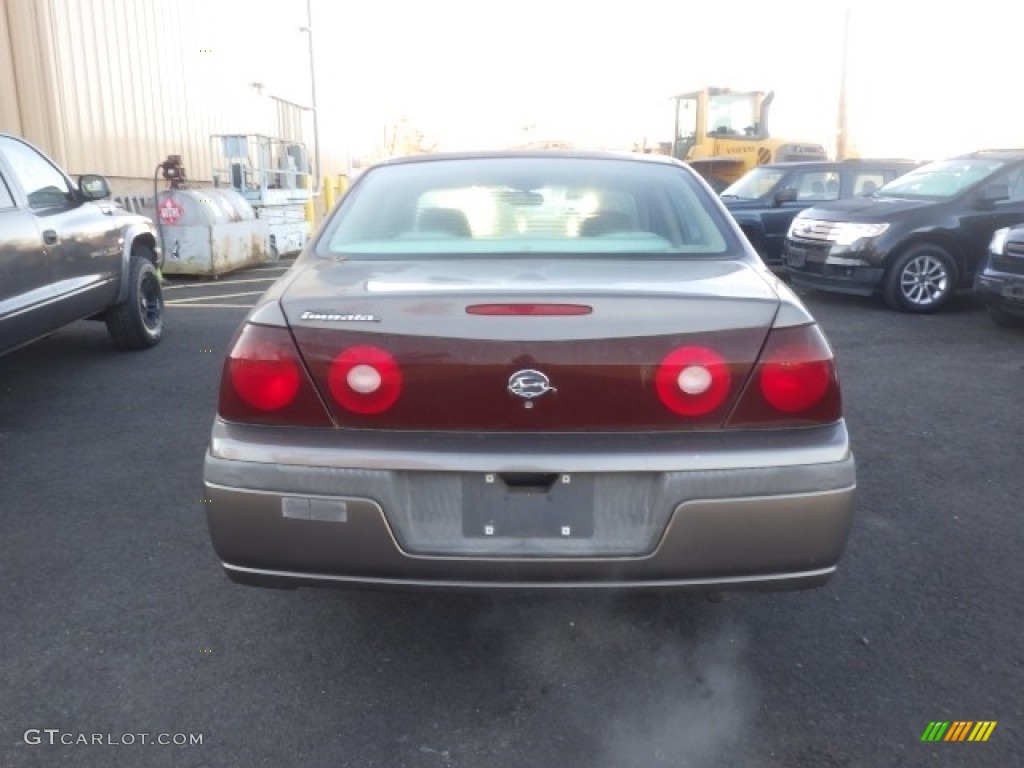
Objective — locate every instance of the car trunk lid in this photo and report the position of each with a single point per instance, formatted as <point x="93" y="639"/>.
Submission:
<point x="531" y="344"/>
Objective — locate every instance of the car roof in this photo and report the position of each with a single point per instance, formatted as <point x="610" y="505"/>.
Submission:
<point x="544" y="154"/>
<point x="998" y="154"/>
<point x="850" y="163"/>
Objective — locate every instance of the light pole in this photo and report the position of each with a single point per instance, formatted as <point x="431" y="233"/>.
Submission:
<point x="842" y="126"/>
<point x="308" y="29"/>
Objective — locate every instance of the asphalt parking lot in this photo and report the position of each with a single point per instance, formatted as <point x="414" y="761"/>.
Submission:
<point x="116" y="620"/>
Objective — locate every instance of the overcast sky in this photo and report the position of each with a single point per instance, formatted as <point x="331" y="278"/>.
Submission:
<point x="926" y="80"/>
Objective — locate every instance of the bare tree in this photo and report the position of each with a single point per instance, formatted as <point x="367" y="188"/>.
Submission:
<point x="403" y="137"/>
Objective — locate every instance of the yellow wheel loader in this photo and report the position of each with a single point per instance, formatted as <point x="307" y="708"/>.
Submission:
<point x="723" y="133"/>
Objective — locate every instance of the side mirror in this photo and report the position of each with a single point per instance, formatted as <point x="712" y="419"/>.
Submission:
<point x="787" y="195"/>
<point x="93" y="187"/>
<point x="991" y="194"/>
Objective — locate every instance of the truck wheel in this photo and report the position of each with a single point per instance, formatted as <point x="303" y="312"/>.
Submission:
<point x="138" y="323"/>
<point x="921" y="280"/>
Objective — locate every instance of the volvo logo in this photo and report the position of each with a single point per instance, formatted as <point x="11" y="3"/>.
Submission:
<point x="529" y="384"/>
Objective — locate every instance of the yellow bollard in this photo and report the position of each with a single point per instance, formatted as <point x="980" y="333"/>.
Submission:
<point x="328" y="194"/>
<point x="310" y="210"/>
<point x="342" y="184"/>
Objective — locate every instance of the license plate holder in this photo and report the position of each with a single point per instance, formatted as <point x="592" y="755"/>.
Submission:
<point x="796" y="257"/>
<point x="521" y="506"/>
<point x="1013" y="291"/>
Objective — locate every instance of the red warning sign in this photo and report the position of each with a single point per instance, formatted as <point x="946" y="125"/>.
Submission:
<point x="170" y="212"/>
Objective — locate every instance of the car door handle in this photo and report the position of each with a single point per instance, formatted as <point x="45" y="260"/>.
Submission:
<point x="50" y="237"/>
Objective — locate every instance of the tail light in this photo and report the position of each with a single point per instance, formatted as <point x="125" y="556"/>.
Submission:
<point x="793" y="384"/>
<point x="693" y="381"/>
<point x="265" y="382"/>
<point x="365" y="380"/>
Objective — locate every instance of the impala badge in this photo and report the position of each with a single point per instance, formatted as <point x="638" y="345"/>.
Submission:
<point x="340" y="317"/>
<point x="529" y="384"/>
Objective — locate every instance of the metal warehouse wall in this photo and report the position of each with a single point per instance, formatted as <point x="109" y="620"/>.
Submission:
<point x="113" y="86"/>
<point x="10" y="113"/>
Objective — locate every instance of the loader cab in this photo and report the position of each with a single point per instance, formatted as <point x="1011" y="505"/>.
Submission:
<point x="718" y="113"/>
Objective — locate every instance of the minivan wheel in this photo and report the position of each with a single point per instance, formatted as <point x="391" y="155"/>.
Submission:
<point x="921" y="280"/>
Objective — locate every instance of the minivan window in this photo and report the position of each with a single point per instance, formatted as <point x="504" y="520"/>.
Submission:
<point x="1014" y="180"/>
<point x="867" y="183"/>
<point x="816" y="186"/>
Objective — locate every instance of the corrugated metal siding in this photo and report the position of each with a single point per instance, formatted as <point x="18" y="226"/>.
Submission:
<point x="113" y="86"/>
<point x="10" y="112"/>
<point x="33" y="70"/>
<point x="123" y="73"/>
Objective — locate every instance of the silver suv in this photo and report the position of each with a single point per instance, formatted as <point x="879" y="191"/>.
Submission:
<point x="68" y="252"/>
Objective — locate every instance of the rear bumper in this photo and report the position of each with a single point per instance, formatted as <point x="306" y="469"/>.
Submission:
<point x="661" y="518"/>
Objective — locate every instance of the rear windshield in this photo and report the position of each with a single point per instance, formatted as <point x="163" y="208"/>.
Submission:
<point x="527" y="205"/>
<point x="940" y="180"/>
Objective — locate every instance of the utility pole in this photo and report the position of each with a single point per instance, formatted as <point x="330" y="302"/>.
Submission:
<point x="312" y="82"/>
<point x="842" y="127"/>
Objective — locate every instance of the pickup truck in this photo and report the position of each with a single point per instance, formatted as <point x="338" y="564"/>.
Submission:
<point x="68" y="252"/>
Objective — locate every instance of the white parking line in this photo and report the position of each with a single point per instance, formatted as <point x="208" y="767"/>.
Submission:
<point x="218" y="283"/>
<point x="208" y="306"/>
<point x="196" y="299"/>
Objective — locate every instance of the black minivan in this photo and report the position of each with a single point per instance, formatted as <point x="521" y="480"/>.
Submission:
<point x="915" y="240"/>
<point x="767" y="198"/>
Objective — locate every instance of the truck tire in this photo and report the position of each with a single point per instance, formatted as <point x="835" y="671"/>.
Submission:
<point x="138" y="322"/>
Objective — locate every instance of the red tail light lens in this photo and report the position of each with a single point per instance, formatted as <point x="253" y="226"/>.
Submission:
<point x="365" y="380"/>
<point x="693" y="381"/>
<point x="266" y="385"/>
<point x="265" y="382"/>
<point x="793" y="380"/>
<point x="793" y="384"/>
